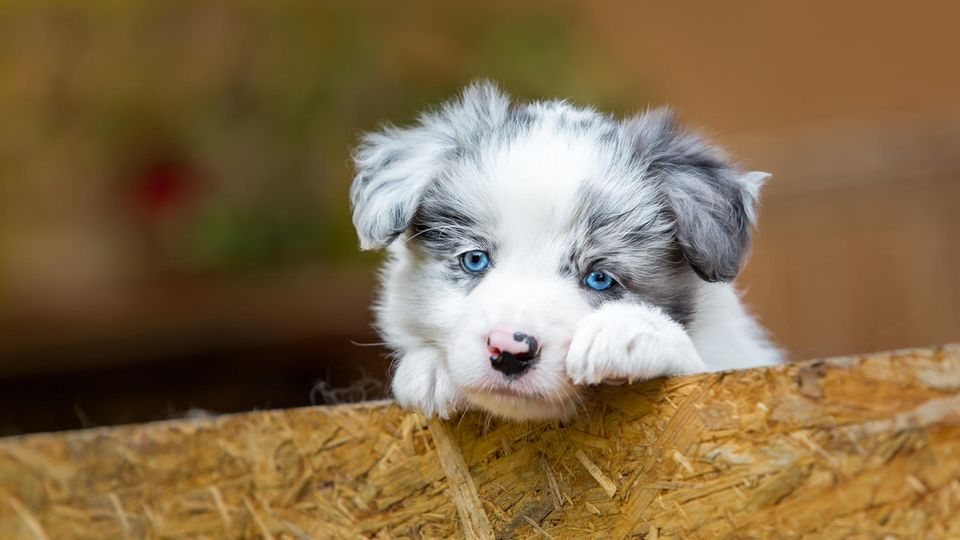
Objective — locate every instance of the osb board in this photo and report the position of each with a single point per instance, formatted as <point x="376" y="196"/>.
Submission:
<point x="844" y="448"/>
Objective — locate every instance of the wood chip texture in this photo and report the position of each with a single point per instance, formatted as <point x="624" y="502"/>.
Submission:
<point x="856" y="447"/>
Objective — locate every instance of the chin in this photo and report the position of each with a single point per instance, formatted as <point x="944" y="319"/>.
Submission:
<point x="515" y="407"/>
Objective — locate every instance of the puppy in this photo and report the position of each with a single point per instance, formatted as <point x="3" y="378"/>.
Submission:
<point x="533" y="248"/>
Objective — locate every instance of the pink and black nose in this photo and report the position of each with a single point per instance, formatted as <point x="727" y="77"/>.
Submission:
<point x="512" y="353"/>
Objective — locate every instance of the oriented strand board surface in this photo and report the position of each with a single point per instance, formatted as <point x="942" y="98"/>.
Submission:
<point x="852" y="447"/>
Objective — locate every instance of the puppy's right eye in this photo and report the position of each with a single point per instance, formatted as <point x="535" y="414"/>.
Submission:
<point x="475" y="261"/>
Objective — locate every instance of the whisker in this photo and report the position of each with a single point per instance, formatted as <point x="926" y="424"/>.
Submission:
<point x="374" y="344"/>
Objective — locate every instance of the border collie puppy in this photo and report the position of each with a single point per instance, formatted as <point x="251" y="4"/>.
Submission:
<point x="537" y="247"/>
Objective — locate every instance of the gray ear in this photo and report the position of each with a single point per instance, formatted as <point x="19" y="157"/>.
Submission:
<point x="395" y="166"/>
<point x="713" y="204"/>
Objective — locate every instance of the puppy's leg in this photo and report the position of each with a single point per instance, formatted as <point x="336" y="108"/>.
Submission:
<point x="421" y="383"/>
<point x="630" y="341"/>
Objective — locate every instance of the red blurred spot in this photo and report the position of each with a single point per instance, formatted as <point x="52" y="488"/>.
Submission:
<point x="163" y="187"/>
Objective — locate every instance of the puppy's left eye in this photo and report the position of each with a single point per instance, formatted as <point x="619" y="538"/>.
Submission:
<point x="598" y="281"/>
<point x="475" y="261"/>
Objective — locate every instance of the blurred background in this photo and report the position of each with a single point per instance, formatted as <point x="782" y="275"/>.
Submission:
<point x="174" y="224"/>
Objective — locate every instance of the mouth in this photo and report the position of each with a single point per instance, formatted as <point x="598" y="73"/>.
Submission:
<point x="516" y="404"/>
<point x="508" y="392"/>
<point x="516" y="392"/>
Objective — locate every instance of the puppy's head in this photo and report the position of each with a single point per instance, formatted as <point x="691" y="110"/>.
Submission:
<point x="511" y="222"/>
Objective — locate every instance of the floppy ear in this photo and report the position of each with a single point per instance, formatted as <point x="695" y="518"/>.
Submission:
<point x="713" y="204"/>
<point x="395" y="166"/>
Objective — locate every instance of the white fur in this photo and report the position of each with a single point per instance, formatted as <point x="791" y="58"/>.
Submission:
<point x="630" y="341"/>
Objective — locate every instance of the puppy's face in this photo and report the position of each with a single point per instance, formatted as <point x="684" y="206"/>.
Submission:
<point x="509" y="224"/>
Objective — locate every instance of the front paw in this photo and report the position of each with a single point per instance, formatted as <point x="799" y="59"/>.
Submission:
<point x="629" y="342"/>
<point x="420" y="382"/>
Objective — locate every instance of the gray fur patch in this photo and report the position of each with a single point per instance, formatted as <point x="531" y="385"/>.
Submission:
<point x="712" y="203"/>
<point x="622" y="231"/>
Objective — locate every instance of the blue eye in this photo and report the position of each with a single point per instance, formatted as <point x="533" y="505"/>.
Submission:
<point x="475" y="261"/>
<point x="598" y="281"/>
